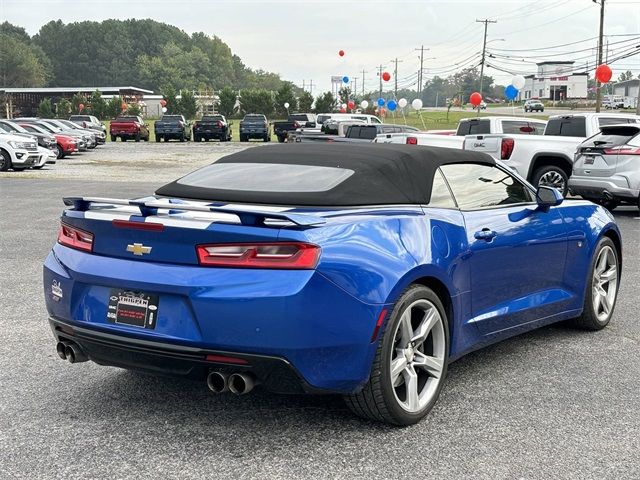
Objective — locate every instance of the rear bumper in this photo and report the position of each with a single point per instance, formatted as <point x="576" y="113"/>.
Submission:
<point x="254" y="133"/>
<point x="276" y="374"/>
<point x="614" y="187"/>
<point x="299" y="317"/>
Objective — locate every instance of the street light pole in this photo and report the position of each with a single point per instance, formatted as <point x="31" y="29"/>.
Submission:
<point x="600" y="38"/>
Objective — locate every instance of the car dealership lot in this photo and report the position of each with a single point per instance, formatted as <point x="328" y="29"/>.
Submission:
<point x="553" y="403"/>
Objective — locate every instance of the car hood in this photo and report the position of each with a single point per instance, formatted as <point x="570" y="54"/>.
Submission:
<point x="16" y="137"/>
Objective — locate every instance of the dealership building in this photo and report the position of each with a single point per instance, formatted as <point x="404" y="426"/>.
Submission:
<point x="555" y="81"/>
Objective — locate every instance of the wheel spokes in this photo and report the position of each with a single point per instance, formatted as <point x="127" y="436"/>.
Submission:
<point x="411" y="385"/>
<point x="432" y="365"/>
<point x="397" y="367"/>
<point x="406" y="330"/>
<point x="422" y="332"/>
<point x="610" y="274"/>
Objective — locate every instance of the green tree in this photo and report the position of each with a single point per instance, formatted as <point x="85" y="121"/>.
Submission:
<point x="97" y="105"/>
<point x="63" y="108"/>
<point x="76" y="100"/>
<point x="305" y="102"/>
<point x="134" y="109"/>
<point x="169" y="95"/>
<point x="45" y="109"/>
<point x="227" y="103"/>
<point x="20" y="64"/>
<point x="187" y="105"/>
<point x="114" y="107"/>
<point x="256" y="101"/>
<point x="325" y="103"/>
<point x="284" y="95"/>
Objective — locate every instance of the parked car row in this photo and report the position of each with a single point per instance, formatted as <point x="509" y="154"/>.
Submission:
<point x="33" y="142"/>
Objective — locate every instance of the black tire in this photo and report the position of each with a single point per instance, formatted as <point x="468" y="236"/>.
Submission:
<point x="60" y="151"/>
<point x="243" y="138"/>
<point x="158" y="138"/>
<point x="377" y="400"/>
<point x="38" y="167"/>
<point x="19" y="169"/>
<point x="5" y="161"/>
<point x="113" y="138"/>
<point x="137" y="137"/>
<point x="123" y="139"/>
<point x="550" y="170"/>
<point x="610" y="205"/>
<point x="589" y="319"/>
<point x="196" y="138"/>
<point x="281" y="139"/>
<point x="182" y="137"/>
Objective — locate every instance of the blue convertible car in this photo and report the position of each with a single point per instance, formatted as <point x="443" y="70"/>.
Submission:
<point x="354" y="269"/>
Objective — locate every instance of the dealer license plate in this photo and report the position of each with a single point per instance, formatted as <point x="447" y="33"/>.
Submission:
<point x="138" y="309"/>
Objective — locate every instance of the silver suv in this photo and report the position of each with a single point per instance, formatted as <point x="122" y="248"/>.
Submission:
<point x="606" y="168"/>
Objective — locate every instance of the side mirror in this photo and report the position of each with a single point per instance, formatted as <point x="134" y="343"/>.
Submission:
<point x="548" y="197"/>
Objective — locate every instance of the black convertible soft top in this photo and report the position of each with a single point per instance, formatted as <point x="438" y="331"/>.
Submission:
<point x="325" y="174"/>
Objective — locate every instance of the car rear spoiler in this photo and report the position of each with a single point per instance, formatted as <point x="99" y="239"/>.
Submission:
<point x="151" y="207"/>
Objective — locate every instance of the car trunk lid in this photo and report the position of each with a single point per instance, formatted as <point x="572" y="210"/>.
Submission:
<point x="599" y="155"/>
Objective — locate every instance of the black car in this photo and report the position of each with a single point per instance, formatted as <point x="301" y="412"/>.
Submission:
<point x="212" y="127"/>
<point x="295" y="121"/>
<point x="172" y="126"/>
<point x="255" y="126"/>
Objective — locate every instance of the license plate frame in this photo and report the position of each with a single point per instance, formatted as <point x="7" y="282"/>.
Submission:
<point x="133" y="308"/>
<point x="589" y="159"/>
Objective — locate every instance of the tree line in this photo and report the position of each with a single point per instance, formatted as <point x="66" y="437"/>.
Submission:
<point x="144" y="53"/>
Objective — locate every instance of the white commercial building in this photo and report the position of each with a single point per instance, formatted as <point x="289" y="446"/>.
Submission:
<point x="555" y="81"/>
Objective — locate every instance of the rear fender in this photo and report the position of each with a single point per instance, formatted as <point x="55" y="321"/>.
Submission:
<point x="544" y="159"/>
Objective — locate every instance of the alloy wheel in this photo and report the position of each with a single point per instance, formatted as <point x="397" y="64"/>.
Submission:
<point x="418" y="358"/>
<point x="605" y="283"/>
<point x="553" y="179"/>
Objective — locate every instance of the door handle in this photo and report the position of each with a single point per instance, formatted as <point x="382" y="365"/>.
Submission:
<point x="485" y="234"/>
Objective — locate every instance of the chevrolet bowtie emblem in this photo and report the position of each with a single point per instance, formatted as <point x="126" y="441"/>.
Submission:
<point x="138" y="249"/>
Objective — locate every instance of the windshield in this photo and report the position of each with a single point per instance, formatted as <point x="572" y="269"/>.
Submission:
<point x="45" y="127"/>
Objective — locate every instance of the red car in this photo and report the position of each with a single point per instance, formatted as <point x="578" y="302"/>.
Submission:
<point x="65" y="144"/>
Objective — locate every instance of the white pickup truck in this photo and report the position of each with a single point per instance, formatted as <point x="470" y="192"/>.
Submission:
<point x="468" y="126"/>
<point x="547" y="159"/>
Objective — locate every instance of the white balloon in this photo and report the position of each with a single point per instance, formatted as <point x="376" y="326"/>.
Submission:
<point x="286" y="104"/>
<point x="344" y="105"/>
<point x="518" y="82"/>
<point x="364" y="104"/>
<point x="164" y="109"/>
<point x="402" y="102"/>
<point x="416" y="104"/>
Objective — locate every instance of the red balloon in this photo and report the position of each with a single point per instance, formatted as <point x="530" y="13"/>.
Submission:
<point x="386" y="76"/>
<point x="351" y="104"/>
<point x="124" y="106"/>
<point x="343" y="110"/>
<point x="81" y="106"/>
<point x="603" y="73"/>
<point x="475" y="99"/>
<point x="341" y="53"/>
<point x="163" y="102"/>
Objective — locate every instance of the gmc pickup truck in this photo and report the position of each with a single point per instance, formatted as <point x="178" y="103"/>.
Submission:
<point x="129" y="127"/>
<point x="212" y="126"/>
<point x="172" y="126"/>
<point x="547" y="159"/>
<point x="254" y="126"/>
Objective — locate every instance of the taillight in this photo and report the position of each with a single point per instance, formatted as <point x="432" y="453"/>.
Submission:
<point x="289" y="255"/>
<point x="75" y="238"/>
<point x="296" y="125"/>
<point x="622" y="150"/>
<point x="506" y="148"/>
<point x="84" y="124"/>
<point x="412" y="141"/>
<point x="219" y="124"/>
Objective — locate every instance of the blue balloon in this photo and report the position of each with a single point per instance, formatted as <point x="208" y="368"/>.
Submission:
<point x="510" y="92"/>
<point x="345" y="79"/>
<point x="391" y="105"/>
<point x="381" y="102"/>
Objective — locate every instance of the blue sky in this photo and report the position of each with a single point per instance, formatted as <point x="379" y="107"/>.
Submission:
<point x="301" y="39"/>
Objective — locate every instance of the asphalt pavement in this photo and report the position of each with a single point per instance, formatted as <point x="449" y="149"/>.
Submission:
<point x="554" y="403"/>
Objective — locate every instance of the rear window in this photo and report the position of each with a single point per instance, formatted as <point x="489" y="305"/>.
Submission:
<point x="611" y="137"/>
<point x="567" y="127"/>
<point x="267" y="177"/>
<point x="299" y="118"/>
<point x="83" y="118"/>
<point x="127" y="119"/>
<point x="522" y="127"/>
<point x="362" y="131"/>
<point x="323" y="118"/>
<point x="473" y="127"/>
<point x="614" y="121"/>
<point x="176" y="118"/>
<point x="213" y="118"/>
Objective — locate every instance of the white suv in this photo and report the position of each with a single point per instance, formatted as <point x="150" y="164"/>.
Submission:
<point x="18" y="153"/>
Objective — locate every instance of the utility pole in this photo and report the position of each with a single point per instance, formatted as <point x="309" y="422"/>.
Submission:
<point x="363" y="72"/>
<point x="600" y="38"/>
<point x="380" y="78"/>
<point x="420" y="83"/>
<point x="302" y="84"/>
<point x="395" y="77"/>
<point x="355" y="85"/>
<point x="311" y="87"/>
<point x="484" y="49"/>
